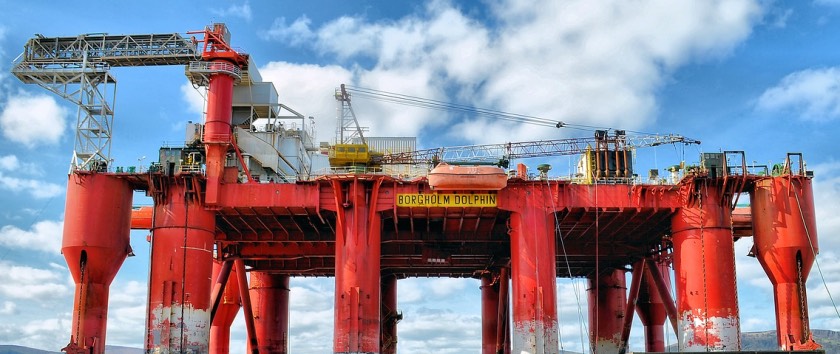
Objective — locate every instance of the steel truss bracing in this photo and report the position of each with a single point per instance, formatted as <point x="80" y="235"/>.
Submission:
<point x="493" y="153"/>
<point x="78" y="70"/>
<point x="348" y="127"/>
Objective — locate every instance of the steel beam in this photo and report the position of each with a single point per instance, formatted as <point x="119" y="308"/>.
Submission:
<point x="225" y="302"/>
<point x="651" y="307"/>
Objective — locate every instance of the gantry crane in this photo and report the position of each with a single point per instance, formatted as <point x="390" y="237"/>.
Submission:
<point x="78" y="69"/>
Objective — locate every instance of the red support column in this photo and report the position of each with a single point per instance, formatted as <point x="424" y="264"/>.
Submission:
<point x="390" y="315"/>
<point x="270" y="300"/>
<point x="95" y="244"/>
<point x="651" y="309"/>
<point x="225" y="312"/>
<point x="181" y="268"/>
<point x="534" y="273"/>
<point x="607" y="302"/>
<point x="785" y="237"/>
<point x="217" y="130"/>
<point x="503" y="323"/>
<point x="357" y="268"/>
<point x="489" y="313"/>
<point x="704" y="264"/>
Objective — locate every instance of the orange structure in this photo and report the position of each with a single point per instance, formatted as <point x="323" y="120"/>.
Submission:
<point x="367" y="230"/>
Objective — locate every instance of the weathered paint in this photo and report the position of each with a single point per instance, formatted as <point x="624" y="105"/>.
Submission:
<point x="270" y="302"/>
<point x="225" y="313"/>
<point x="179" y="282"/>
<point x="533" y="274"/>
<point x="704" y="266"/>
<point x="607" y="304"/>
<point x="651" y="308"/>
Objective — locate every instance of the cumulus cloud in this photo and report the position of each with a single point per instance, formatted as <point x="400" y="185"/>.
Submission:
<point x="44" y="236"/>
<point x="194" y="97"/>
<point x="570" y="61"/>
<point x="33" y="120"/>
<point x="242" y="11"/>
<point x="24" y="282"/>
<point x="36" y="188"/>
<point x="812" y="94"/>
<point x="9" y="308"/>
<point x="295" y="34"/>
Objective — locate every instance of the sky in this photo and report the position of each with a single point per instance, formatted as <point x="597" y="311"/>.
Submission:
<point x="757" y="76"/>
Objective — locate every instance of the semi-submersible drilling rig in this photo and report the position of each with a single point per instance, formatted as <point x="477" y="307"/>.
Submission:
<point x="238" y="200"/>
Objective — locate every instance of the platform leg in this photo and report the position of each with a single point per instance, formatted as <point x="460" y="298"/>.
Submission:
<point x="179" y="281"/>
<point x="489" y="313"/>
<point x="226" y="311"/>
<point x="270" y="301"/>
<point x="607" y="303"/>
<point x="533" y="276"/>
<point x="651" y="309"/>
<point x="95" y="244"/>
<point x="390" y="315"/>
<point x="704" y="266"/>
<point x="357" y="269"/>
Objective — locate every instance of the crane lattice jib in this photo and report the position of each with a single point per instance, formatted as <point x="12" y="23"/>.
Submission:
<point x="493" y="153"/>
<point x="78" y="69"/>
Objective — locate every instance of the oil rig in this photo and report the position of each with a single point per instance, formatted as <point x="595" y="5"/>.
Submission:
<point x="241" y="208"/>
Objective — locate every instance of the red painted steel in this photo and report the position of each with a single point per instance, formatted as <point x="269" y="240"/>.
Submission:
<point x="651" y="309"/>
<point x="607" y="303"/>
<point x="785" y="245"/>
<point x="95" y="244"/>
<point x="181" y="268"/>
<point x="390" y="315"/>
<point x="489" y="313"/>
<point x="357" y="259"/>
<point x="225" y="313"/>
<point x="141" y="218"/>
<point x="704" y="266"/>
<point x="270" y="301"/>
<point x="632" y="298"/>
<point x="247" y="309"/>
<point x="503" y="328"/>
<point x="533" y="273"/>
<point x="447" y="177"/>
<point x="217" y="131"/>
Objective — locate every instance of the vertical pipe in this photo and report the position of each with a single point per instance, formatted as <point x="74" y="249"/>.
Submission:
<point x="217" y="131"/>
<point x="661" y="277"/>
<point x="227" y="308"/>
<point x="489" y="313"/>
<point x="390" y="315"/>
<point x="270" y="302"/>
<point x="704" y="265"/>
<point x="357" y="269"/>
<point x="534" y="274"/>
<point x="785" y="237"/>
<point x="95" y="244"/>
<point x="651" y="309"/>
<point x="180" y="271"/>
<point x="606" y="293"/>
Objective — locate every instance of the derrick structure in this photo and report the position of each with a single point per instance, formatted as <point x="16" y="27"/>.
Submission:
<point x="219" y="242"/>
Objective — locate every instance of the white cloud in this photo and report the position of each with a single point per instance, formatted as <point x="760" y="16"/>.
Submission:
<point x="24" y="282"/>
<point x="45" y="236"/>
<point x="574" y="61"/>
<point x="295" y="34"/>
<point x="812" y="94"/>
<point x="9" y="162"/>
<point x="194" y="97"/>
<point x="242" y="11"/>
<point x="9" y="308"/>
<point x="13" y="164"/>
<point x="33" y="120"/>
<point x="36" y="188"/>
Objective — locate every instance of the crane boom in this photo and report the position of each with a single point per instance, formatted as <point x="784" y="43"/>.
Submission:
<point x="78" y="70"/>
<point x="498" y="153"/>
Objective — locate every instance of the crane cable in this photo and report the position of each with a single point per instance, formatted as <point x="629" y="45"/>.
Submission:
<point x="413" y="101"/>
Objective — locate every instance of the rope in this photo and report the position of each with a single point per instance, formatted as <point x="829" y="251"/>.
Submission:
<point x="703" y="255"/>
<point x="813" y="251"/>
<point x="575" y="288"/>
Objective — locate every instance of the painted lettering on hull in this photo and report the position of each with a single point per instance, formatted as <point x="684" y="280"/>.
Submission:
<point x="446" y="200"/>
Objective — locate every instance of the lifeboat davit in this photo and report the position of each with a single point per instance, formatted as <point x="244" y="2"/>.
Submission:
<point x="454" y="177"/>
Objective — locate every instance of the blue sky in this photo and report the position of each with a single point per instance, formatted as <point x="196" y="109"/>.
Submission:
<point x="759" y="76"/>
